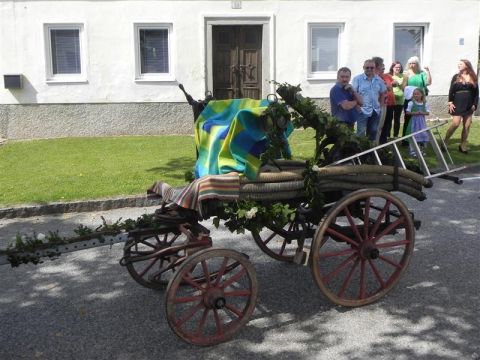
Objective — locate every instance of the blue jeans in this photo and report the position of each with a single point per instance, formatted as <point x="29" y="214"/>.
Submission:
<point x="368" y="124"/>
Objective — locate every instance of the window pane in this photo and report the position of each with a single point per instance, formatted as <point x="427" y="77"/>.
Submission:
<point x="324" y="49"/>
<point x="154" y="50"/>
<point x="408" y="42"/>
<point x="65" y="51"/>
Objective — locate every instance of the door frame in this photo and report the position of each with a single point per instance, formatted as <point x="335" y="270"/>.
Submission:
<point x="268" y="51"/>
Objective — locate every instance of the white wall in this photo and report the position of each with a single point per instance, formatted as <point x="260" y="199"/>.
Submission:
<point x="110" y="42"/>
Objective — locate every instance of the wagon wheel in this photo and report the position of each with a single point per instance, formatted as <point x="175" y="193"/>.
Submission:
<point x="155" y="272"/>
<point x="212" y="311"/>
<point x="281" y="243"/>
<point x="362" y="247"/>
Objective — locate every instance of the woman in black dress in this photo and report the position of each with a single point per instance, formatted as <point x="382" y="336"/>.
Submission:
<point x="462" y="101"/>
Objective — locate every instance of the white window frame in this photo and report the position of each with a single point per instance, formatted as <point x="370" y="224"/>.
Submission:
<point x="170" y="76"/>
<point x="423" y="51"/>
<point x="65" y="78"/>
<point x="323" y="75"/>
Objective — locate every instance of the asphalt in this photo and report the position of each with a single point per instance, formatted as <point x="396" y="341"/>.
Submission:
<point x="85" y="306"/>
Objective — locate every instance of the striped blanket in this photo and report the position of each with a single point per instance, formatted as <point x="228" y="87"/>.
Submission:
<point x="222" y="187"/>
<point x="229" y="137"/>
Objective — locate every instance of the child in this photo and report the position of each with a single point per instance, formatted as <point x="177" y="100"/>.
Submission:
<point x="418" y="109"/>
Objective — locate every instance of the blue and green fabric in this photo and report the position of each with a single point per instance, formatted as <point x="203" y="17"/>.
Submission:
<point x="229" y="137"/>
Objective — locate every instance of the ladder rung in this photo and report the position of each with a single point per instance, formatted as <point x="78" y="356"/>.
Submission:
<point x="398" y="155"/>
<point x="438" y="151"/>
<point x="377" y="157"/>
<point x="420" y="158"/>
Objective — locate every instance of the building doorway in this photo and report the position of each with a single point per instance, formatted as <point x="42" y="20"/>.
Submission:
<point x="237" y="61"/>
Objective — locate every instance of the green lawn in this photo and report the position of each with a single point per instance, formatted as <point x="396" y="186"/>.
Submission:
<point x="40" y="171"/>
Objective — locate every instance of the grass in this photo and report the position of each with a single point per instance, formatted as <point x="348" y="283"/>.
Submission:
<point x="41" y="171"/>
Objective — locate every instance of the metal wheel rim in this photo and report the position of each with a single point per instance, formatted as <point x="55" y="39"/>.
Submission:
<point x="357" y="261"/>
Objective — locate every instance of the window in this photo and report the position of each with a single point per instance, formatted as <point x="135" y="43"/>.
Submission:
<point x="65" y="56"/>
<point x="324" y="50"/>
<point x="153" y="52"/>
<point x="408" y="42"/>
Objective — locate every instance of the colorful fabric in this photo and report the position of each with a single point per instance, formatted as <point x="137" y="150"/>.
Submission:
<point x="397" y="90"/>
<point x="418" y="80"/>
<point x="229" y="137"/>
<point x="222" y="187"/>
<point x="418" y="122"/>
<point x="390" y="97"/>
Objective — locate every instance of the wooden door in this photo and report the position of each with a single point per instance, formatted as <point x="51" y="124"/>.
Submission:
<point x="237" y="61"/>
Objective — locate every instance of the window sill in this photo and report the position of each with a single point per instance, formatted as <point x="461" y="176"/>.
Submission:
<point x="164" y="78"/>
<point x="324" y="76"/>
<point x="67" y="80"/>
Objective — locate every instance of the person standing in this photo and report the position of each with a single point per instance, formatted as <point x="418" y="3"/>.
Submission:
<point x="418" y="109"/>
<point x="462" y="101"/>
<point x="344" y="101"/>
<point x="372" y="89"/>
<point x="418" y="78"/>
<point x="399" y="83"/>
<point x="387" y="110"/>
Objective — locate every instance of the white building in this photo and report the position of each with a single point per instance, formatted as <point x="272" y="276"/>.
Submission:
<point x="113" y="67"/>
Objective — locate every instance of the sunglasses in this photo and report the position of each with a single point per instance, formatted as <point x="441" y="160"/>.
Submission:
<point x="369" y="67"/>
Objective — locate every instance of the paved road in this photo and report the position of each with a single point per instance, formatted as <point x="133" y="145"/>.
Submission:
<point x="85" y="306"/>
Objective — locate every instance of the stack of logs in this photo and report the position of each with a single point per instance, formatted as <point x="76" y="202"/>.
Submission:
<point x="286" y="181"/>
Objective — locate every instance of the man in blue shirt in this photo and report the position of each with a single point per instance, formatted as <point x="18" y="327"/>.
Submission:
<point x="344" y="101"/>
<point x="372" y="89"/>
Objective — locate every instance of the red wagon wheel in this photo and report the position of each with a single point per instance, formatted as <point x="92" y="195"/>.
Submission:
<point x="212" y="310"/>
<point x="281" y="243"/>
<point x="152" y="272"/>
<point x="362" y="247"/>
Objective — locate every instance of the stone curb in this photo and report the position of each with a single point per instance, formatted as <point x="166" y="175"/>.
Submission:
<point x="79" y="206"/>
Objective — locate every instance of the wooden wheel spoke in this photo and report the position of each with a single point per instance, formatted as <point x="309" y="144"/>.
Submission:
<point x="218" y="323"/>
<point x="348" y="279"/>
<point x="389" y="228"/>
<point x="234" y="310"/>
<point x="202" y="322"/>
<point x="267" y="240"/>
<point x="282" y="249"/>
<point x="234" y="278"/>
<point x="361" y="291"/>
<point x="393" y="244"/>
<point x="188" y="279"/>
<point x="206" y="272"/>
<point x="237" y="293"/>
<point x="337" y="253"/>
<point x="187" y="299"/>
<point x="366" y="218"/>
<point x="341" y="236"/>
<point x="221" y="271"/>
<point x="339" y="268"/>
<point x="291" y="226"/>
<point x="148" y="267"/>
<point x="377" y="274"/>
<point x="171" y="241"/>
<point x="189" y="314"/>
<point x="390" y="261"/>
<point x="146" y="243"/>
<point x="353" y="225"/>
<point x="380" y="217"/>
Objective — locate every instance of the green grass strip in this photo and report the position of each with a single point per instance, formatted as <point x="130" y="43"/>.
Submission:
<point x="41" y="171"/>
